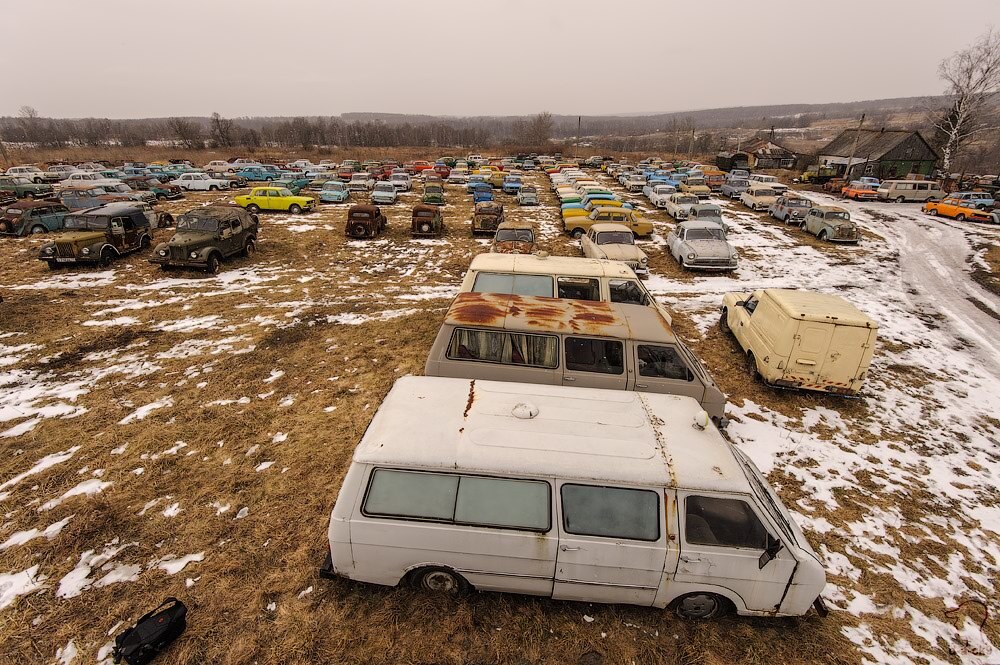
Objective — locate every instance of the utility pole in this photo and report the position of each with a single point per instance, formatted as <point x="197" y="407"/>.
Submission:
<point x="691" y="144"/>
<point x="857" y="136"/>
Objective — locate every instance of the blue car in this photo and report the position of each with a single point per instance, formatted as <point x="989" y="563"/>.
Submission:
<point x="334" y="191"/>
<point x="481" y="191"/>
<point x="512" y="184"/>
<point x="981" y="200"/>
<point x="475" y="179"/>
<point x="257" y="174"/>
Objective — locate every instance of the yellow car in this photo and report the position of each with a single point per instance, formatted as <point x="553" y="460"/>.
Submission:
<point x="275" y="198"/>
<point x="585" y="209"/>
<point x="956" y="209"/>
<point x="578" y="226"/>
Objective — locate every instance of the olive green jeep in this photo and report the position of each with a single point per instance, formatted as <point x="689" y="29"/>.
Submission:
<point x="207" y="235"/>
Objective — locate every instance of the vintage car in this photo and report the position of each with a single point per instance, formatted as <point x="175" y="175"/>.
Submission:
<point x="790" y="208"/>
<point x="481" y="191"/>
<point x="293" y="184"/>
<point x="236" y="181"/>
<point x="955" y="208"/>
<point x="384" y="193"/>
<point x="831" y="223"/>
<point x="81" y="198"/>
<point x="678" y="204"/>
<point x="457" y="177"/>
<point x="162" y="191"/>
<point x="859" y="191"/>
<point x="34" y="174"/>
<point x="20" y="219"/>
<point x="527" y="195"/>
<point x="98" y="235"/>
<point x="701" y="246"/>
<point x="257" y="174"/>
<point x="615" y="242"/>
<point x="420" y="166"/>
<point x="426" y="221"/>
<point x="442" y="170"/>
<point x="201" y="182"/>
<point x="487" y="217"/>
<point x="59" y="172"/>
<point x="512" y="184"/>
<point x="707" y="212"/>
<point x="714" y="178"/>
<point x="133" y="194"/>
<point x="981" y="200"/>
<point x="7" y="198"/>
<point x="696" y="185"/>
<point x="474" y="180"/>
<point x="734" y="187"/>
<point x="274" y="198"/>
<point x="631" y="219"/>
<point x="23" y="188"/>
<point x="207" y="235"/>
<point x="760" y="196"/>
<point x="219" y="166"/>
<point x="361" y="181"/>
<point x="658" y="193"/>
<point x="433" y="194"/>
<point x="401" y="181"/>
<point x="364" y="221"/>
<point x="157" y="219"/>
<point x="334" y="191"/>
<point x="634" y="182"/>
<point x="515" y="238"/>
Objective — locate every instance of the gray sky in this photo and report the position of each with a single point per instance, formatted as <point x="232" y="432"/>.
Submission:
<point x="136" y="58"/>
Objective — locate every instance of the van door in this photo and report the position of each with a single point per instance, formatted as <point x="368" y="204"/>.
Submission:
<point x="592" y="362"/>
<point x="809" y="348"/>
<point x="612" y="545"/>
<point x="659" y="368"/>
<point x="844" y="355"/>
<point x="723" y="538"/>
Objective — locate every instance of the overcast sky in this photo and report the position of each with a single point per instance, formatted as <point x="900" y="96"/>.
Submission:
<point x="137" y="58"/>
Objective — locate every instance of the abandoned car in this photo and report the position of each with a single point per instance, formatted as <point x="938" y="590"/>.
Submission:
<point x="275" y="198"/>
<point x="487" y="217"/>
<point x="365" y="221"/>
<point x="831" y="223"/>
<point x="98" y="236"/>
<point x="515" y="238"/>
<point x="701" y="246"/>
<point x="205" y="236"/>
<point x="426" y="221"/>
<point x="615" y="242"/>
<point x="20" y="219"/>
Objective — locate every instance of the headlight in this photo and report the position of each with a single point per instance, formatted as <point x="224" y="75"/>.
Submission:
<point x="85" y="251"/>
<point x="691" y="255"/>
<point x="49" y="250"/>
<point x="162" y="252"/>
<point x="644" y="260"/>
<point x="194" y="255"/>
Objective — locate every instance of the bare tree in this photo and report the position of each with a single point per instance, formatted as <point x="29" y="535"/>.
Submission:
<point x="534" y="132"/>
<point x="27" y="120"/>
<point x="973" y="76"/>
<point x="221" y="130"/>
<point x="187" y="132"/>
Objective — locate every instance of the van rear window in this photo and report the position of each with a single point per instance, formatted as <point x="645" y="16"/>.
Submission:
<point x="521" y="285"/>
<point x="459" y="499"/>
<point x="505" y="348"/>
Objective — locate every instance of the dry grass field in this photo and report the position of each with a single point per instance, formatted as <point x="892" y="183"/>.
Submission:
<point x="182" y="434"/>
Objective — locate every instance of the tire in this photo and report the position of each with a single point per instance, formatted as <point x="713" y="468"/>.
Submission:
<point x="439" y="580"/>
<point x="900" y="199"/>
<point x="250" y="249"/>
<point x="213" y="188"/>
<point x="697" y="606"/>
<point x="933" y="212"/>
<point x="213" y="263"/>
<point x="823" y="235"/>
<point x="53" y="265"/>
<point x="165" y="220"/>
<point x="29" y="195"/>
<point x="577" y="233"/>
<point x="752" y="366"/>
<point x="145" y="242"/>
<point x="802" y="227"/>
<point x="960" y="217"/>
<point x="253" y="208"/>
<point x="426" y="227"/>
<point x="4" y="227"/>
<point x="295" y="208"/>
<point x="359" y="230"/>
<point x="724" y="320"/>
<point x="107" y="257"/>
<point x="38" y="228"/>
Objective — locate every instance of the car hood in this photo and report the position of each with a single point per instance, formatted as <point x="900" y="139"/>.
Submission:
<point x="79" y="237"/>
<point x="709" y="248"/>
<point x="190" y="237"/>
<point x="514" y="247"/>
<point x="622" y="252"/>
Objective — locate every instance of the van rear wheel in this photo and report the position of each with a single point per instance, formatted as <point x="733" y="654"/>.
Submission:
<point x="900" y="199"/>
<point x="440" y="580"/>
<point x="700" y="606"/>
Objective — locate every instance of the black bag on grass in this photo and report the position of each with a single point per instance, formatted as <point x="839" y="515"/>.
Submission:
<point x="151" y="634"/>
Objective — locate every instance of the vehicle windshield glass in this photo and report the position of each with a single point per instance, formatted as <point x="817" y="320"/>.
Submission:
<point x="335" y="186"/>
<point x="192" y="223"/>
<point x="765" y="494"/>
<point x="763" y="192"/>
<point x="515" y="235"/>
<point x="285" y="192"/>
<point x="22" y="181"/>
<point x="739" y="183"/>
<point x="837" y="215"/>
<point x="385" y="187"/>
<point x="703" y="234"/>
<point x="797" y="203"/>
<point x="85" y="222"/>
<point x="615" y="238"/>
<point x="684" y="200"/>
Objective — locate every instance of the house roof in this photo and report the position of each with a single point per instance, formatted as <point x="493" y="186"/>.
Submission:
<point x="764" y="148"/>
<point x="872" y="143"/>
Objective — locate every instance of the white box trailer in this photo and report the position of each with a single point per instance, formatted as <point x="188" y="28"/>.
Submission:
<point x="573" y="493"/>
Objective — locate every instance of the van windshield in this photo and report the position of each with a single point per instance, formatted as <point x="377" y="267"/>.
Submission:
<point x="766" y="496"/>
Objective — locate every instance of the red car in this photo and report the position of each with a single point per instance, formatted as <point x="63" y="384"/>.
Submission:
<point x="419" y="166"/>
<point x="345" y="172"/>
<point x="442" y="170"/>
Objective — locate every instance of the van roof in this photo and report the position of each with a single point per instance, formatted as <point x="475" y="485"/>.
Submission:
<point x="821" y="307"/>
<point x="586" y="434"/>
<point x="551" y="265"/>
<point x="559" y="315"/>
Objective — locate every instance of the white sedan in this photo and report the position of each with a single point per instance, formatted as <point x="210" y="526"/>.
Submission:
<point x="199" y="182"/>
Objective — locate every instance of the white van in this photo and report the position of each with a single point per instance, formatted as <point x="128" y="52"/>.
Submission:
<point x="571" y="493"/>
<point x="558" y="277"/>
<point x="910" y="190"/>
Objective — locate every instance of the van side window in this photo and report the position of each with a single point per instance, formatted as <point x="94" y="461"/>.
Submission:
<point x="751" y="303"/>
<point x="722" y="523"/>
<point x="662" y="362"/>
<point x="473" y="500"/>
<point x="611" y="512"/>
<point x="522" y="285"/>
<point x="603" y="356"/>
<point x="506" y="348"/>
<point x="627" y="291"/>
<point x="578" y="288"/>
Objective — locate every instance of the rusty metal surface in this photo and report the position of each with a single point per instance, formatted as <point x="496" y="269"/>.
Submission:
<point x="514" y="247"/>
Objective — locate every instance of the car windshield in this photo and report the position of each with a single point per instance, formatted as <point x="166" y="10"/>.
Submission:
<point x="334" y="186"/>
<point x="837" y="215"/>
<point x="515" y="235"/>
<point x="739" y="183"/>
<point x="686" y="200"/>
<point x="399" y="176"/>
<point x="384" y="187"/>
<point x="797" y="203"/>
<point x="703" y="234"/>
<point x="121" y="188"/>
<point x="763" y="192"/>
<point x="615" y="238"/>
<point x="193" y="223"/>
<point x="85" y="222"/>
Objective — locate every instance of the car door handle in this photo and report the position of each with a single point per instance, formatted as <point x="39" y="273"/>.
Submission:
<point x="641" y="385"/>
<point x="687" y="560"/>
<point x="567" y="548"/>
<point x="568" y="378"/>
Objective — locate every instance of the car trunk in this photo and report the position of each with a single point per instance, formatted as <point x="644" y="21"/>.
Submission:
<point x="829" y="356"/>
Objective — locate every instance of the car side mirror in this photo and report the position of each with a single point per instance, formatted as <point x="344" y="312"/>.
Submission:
<point x="770" y="552"/>
<point x="741" y="303"/>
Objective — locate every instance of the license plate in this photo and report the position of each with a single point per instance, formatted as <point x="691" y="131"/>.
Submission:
<point x="61" y="260"/>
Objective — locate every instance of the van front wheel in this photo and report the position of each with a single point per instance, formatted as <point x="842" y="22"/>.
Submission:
<point x="724" y="321"/>
<point x="752" y="366"/>
<point x="440" y="580"/>
<point x="700" y="606"/>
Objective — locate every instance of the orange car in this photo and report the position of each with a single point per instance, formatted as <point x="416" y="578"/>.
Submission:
<point x="859" y="191"/>
<point x="957" y="209"/>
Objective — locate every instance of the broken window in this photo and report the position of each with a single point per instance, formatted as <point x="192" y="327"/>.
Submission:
<point x="578" y="288"/>
<point x="662" y="362"/>
<point x="603" y="356"/>
<point x="722" y="523"/>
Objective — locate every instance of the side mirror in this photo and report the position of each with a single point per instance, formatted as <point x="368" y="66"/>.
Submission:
<point x="741" y="303"/>
<point x="773" y="547"/>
